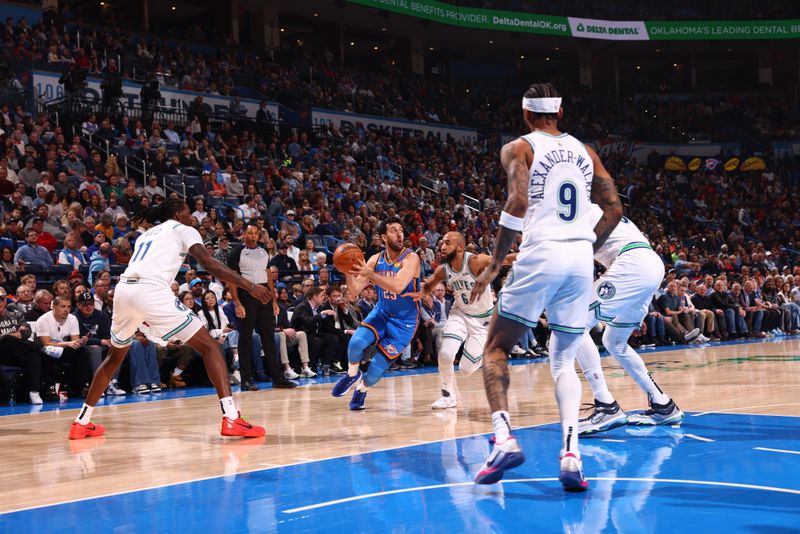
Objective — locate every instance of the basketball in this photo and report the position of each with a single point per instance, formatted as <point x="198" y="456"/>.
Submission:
<point x="345" y="256"/>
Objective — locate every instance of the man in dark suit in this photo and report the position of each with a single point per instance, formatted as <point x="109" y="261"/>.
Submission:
<point x="308" y="317"/>
<point x="342" y="325"/>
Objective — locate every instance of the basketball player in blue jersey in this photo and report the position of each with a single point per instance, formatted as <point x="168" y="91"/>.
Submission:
<point x="393" y="321"/>
<point x="552" y="181"/>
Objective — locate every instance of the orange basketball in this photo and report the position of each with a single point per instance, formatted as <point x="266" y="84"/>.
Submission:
<point x="345" y="256"/>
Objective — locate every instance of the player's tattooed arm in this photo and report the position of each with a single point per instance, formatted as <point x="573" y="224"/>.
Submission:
<point x="604" y="194"/>
<point x="516" y="158"/>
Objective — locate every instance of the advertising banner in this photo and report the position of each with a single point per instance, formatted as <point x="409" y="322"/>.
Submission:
<point x="46" y="86"/>
<point x="348" y="122"/>
<point x="612" y="30"/>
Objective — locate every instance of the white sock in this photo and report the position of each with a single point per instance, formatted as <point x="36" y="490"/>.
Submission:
<point x="362" y="387"/>
<point x="177" y="372"/>
<point x="85" y="415"/>
<point x="229" y="408"/>
<point x="352" y="369"/>
<point x="568" y="387"/>
<point x="502" y="426"/>
<point x="589" y="359"/>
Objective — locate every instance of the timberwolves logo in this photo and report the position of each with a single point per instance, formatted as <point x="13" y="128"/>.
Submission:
<point x="606" y="290"/>
<point x="180" y="306"/>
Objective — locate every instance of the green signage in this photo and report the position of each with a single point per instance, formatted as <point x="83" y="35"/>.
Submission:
<point x="617" y="30"/>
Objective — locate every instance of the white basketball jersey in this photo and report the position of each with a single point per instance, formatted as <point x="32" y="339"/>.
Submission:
<point x="625" y="236"/>
<point x="461" y="283"/>
<point x="160" y="252"/>
<point x="559" y="190"/>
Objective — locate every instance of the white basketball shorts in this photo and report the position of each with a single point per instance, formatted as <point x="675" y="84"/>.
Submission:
<point x="469" y="330"/>
<point x="552" y="275"/>
<point x="621" y="297"/>
<point x="153" y="304"/>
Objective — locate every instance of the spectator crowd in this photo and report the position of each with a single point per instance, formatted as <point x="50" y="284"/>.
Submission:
<point x="728" y="239"/>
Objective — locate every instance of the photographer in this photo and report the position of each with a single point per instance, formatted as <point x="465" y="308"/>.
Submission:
<point x="112" y="91"/>
<point x="150" y="95"/>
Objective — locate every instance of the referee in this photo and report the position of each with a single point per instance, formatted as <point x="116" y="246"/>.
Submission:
<point x="250" y="260"/>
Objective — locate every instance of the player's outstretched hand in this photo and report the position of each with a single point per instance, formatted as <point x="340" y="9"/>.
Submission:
<point x="360" y="268"/>
<point x="416" y="295"/>
<point x="261" y="293"/>
<point x="487" y="277"/>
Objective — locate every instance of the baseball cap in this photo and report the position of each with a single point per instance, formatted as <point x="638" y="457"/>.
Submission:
<point x="290" y="212"/>
<point x="282" y="244"/>
<point x="195" y="282"/>
<point x="85" y="297"/>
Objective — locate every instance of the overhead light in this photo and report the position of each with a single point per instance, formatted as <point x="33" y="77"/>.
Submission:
<point x="491" y="42"/>
<point x="730" y="50"/>
<point x="638" y="67"/>
<point x="283" y="29"/>
<point x="102" y="3"/>
<point x="674" y="64"/>
<point x="316" y="14"/>
<point x="522" y="57"/>
<point x="383" y="29"/>
<point x="431" y="49"/>
<point x="658" y="50"/>
<point x="352" y="43"/>
<point x="174" y="8"/>
<point x="468" y="90"/>
<point x="375" y="48"/>
<point x="557" y="49"/>
<point x="547" y="59"/>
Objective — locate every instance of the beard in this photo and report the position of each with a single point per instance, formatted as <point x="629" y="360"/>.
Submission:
<point x="394" y="248"/>
<point x="450" y="257"/>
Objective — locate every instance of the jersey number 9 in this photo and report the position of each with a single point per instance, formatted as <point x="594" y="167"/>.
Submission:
<point x="567" y="199"/>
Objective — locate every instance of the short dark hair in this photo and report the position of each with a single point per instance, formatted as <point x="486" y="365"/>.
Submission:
<point x="384" y="225"/>
<point x="312" y="292"/>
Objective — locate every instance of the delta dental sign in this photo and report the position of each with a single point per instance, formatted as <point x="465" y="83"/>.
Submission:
<point x="632" y="30"/>
<point x="348" y="123"/>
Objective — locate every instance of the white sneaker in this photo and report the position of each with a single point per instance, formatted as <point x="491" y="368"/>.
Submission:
<point x="444" y="403"/>
<point x="236" y="377"/>
<point x="155" y="388"/>
<point x="35" y="397"/>
<point x="142" y="389"/>
<point x="307" y="373"/>
<point x="703" y="339"/>
<point x="113" y="389"/>
<point x="691" y="335"/>
<point x="289" y="374"/>
<point x="517" y="350"/>
<point x="571" y="473"/>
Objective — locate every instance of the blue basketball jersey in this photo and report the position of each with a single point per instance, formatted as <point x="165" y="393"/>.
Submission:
<point x="392" y="303"/>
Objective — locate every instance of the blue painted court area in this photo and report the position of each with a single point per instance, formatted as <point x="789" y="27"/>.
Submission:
<point x="717" y="473"/>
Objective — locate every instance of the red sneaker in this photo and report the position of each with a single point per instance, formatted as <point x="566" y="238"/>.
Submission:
<point x="79" y="431"/>
<point x="242" y="428"/>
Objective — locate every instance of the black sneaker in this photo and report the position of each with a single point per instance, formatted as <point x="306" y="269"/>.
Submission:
<point x="281" y="383"/>
<point x="249" y="386"/>
<point x="604" y="417"/>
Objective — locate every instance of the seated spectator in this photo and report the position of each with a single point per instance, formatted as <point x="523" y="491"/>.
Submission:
<point x="785" y="301"/>
<point x="95" y="326"/>
<point x="342" y="325"/>
<point x="16" y="350"/>
<point x="714" y="317"/>
<point x="100" y="261"/>
<point x="59" y="333"/>
<point x="71" y="254"/>
<point x="288" y="337"/>
<point x="143" y="358"/>
<point x="286" y="265"/>
<point x="679" y="324"/>
<point x="308" y="317"/>
<point x="31" y="254"/>
<point x="754" y="315"/>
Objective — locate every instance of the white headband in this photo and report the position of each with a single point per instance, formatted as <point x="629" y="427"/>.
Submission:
<point x="542" y="105"/>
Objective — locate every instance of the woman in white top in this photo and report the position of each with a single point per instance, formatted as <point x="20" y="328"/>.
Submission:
<point x="70" y="254"/>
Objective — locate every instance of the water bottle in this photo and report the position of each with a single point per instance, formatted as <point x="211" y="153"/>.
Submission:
<point x="326" y="369"/>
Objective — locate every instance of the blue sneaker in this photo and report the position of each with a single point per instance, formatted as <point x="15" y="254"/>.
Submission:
<point x="357" y="402"/>
<point x="344" y="384"/>
<point x="571" y="474"/>
<point x="504" y="456"/>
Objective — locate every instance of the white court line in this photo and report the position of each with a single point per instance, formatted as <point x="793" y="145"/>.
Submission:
<point x="254" y="469"/>
<point x="418" y="441"/>
<point x="732" y="410"/>
<point x="615" y="440"/>
<point x="699" y="438"/>
<point x="512" y="481"/>
<point x="307" y="459"/>
<point x="775" y="450"/>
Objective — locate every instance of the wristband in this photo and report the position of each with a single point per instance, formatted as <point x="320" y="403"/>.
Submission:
<point x="511" y="222"/>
